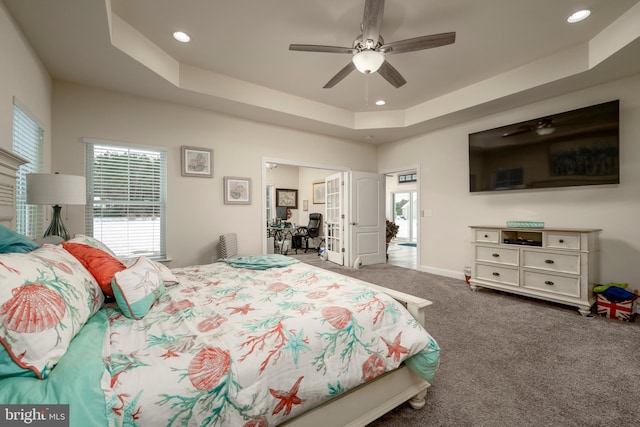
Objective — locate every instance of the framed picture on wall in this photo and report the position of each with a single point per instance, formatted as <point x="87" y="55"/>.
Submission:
<point x="319" y="192"/>
<point x="286" y="198"/>
<point x="197" y="162"/>
<point x="237" y="191"/>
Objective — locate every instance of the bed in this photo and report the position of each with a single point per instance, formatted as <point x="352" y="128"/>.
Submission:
<point x="260" y="341"/>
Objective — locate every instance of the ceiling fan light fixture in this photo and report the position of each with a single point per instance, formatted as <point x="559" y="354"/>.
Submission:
<point x="545" y="131"/>
<point x="368" y="61"/>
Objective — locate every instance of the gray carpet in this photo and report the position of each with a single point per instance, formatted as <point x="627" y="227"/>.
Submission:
<point x="508" y="360"/>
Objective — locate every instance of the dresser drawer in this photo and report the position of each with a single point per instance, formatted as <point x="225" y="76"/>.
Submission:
<point x="487" y="236"/>
<point x="569" y="286"/>
<point x="561" y="263"/>
<point x="563" y="240"/>
<point x="494" y="273"/>
<point x="507" y="256"/>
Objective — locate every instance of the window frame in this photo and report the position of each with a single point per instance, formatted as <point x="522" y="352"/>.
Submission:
<point x="27" y="142"/>
<point x="126" y="238"/>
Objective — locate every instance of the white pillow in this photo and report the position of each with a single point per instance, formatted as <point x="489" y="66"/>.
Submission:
<point x="46" y="296"/>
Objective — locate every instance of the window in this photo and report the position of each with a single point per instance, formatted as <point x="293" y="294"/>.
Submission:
<point x="509" y="178"/>
<point x="28" y="143"/>
<point x="407" y="177"/>
<point x="126" y="189"/>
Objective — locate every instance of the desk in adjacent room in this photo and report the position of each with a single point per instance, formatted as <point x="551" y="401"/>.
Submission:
<point x="281" y="235"/>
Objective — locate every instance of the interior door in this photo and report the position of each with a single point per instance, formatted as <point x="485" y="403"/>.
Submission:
<point x="334" y="218"/>
<point x="367" y="226"/>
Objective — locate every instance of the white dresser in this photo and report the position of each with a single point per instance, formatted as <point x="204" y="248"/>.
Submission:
<point x="554" y="264"/>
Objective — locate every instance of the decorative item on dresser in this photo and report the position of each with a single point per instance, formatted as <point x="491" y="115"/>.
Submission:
<point x="553" y="264"/>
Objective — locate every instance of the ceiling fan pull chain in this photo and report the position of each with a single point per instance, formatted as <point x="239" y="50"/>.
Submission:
<point x="366" y="89"/>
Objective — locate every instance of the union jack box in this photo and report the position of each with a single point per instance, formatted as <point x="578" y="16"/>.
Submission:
<point x="622" y="310"/>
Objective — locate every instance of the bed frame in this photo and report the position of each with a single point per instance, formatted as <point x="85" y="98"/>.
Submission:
<point x="357" y="407"/>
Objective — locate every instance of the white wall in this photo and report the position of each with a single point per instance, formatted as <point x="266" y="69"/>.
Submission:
<point x="309" y="176"/>
<point x="196" y="215"/>
<point x="443" y="156"/>
<point x="22" y="76"/>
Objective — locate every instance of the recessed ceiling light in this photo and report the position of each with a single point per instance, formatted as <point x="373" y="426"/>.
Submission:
<point x="578" y="16"/>
<point x="381" y="102"/>
<point x="181" y="37"/>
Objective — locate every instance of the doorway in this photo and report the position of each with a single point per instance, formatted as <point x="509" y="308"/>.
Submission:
<point x="403" y="208"/>
<point x="361" y="225"/>
<point x="296" y="175"/>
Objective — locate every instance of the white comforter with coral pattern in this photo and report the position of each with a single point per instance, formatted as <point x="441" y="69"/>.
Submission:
<point x="231" y="346"/>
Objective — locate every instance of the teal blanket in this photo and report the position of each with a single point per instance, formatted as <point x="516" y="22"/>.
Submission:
<point x="260" y="262"/>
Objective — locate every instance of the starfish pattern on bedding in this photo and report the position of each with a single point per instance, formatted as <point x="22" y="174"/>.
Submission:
<point x="242" y="310"/>
<point x="395" y="349"/>
<point x="287" y="399"/>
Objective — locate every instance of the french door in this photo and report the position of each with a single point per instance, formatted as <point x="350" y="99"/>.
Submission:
<point x="334" y="218"/>
<point x="360" y="233"/>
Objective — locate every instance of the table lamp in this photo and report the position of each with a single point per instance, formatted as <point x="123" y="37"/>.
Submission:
<point x="56" y="189"/>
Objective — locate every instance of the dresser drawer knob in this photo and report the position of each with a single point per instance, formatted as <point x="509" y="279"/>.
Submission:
<point x="486" y="236"/>
<point x="561" y="240"/>
<point x="548" y="261"/>
<point x="495" y="255"/>
<point x="548" y="282"/>
<point x="495" y="273"/>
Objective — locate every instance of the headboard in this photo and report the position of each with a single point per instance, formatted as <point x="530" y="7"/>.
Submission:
<point x="9" y="164"/>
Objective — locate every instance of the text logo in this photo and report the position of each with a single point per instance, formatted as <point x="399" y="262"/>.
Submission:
<point x="34" y="415"/>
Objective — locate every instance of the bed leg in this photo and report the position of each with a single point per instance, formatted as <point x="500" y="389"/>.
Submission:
<point x="419" y="400"/>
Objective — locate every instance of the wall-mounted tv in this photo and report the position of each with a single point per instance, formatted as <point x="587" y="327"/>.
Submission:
<point x="578" y="147"/>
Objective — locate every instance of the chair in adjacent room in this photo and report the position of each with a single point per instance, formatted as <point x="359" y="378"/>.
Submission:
<point x="312" y="230"/>
<point x="228" y="245"/>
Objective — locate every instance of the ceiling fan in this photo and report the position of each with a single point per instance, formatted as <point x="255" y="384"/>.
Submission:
<point x="542" y="127"/>
<point x="369" y="49"/>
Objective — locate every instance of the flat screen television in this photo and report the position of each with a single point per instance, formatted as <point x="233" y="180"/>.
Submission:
<point x="577" y="147"/>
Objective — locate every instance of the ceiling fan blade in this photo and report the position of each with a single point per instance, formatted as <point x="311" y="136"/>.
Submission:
<point x="341" y="75"/>
<point x="321" y="48"/>
<point x="391" y="75"/>
<point x="518" y="131"/>
<point x="372" y="21"/>
<point x="419" y="43"/>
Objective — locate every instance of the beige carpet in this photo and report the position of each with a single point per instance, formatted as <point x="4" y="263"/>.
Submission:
<point x="513" y="361"/>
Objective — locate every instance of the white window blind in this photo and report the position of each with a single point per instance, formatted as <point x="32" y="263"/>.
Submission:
<point x="126" y="189"/>
<point x="28" y="143"/>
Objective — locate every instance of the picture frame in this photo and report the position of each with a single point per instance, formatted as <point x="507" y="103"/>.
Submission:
<point x="237" y="190"/>
<point x="319" y="193"/>
<point x="197" y="162"/>
<point x="286" y="198"/>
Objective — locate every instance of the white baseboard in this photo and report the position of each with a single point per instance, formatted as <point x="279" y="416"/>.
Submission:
<point x="442" y="272"/>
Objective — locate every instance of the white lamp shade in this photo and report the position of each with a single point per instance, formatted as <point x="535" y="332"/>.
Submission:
<point x="56" y="189"/>
<point x="368" y="61"/>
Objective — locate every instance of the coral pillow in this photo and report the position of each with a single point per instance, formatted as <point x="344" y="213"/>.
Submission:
<point x="91" y="241"/>
<point x="99" y="263"/>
